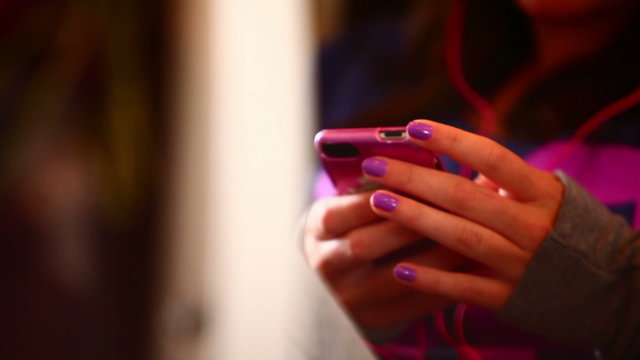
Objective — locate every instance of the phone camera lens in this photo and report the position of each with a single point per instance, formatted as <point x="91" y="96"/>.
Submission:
<point x="340" y="150"/>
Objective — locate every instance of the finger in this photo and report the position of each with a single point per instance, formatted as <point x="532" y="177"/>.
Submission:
<point x="331" y="217"/>
<point x="486" y="182"/>
<point x="378" y="285"/>
<point x="503" y="167"/>
<point x="452" y="192"/>
<point x="461" y="235"/>
<point x="372" y="242"/>
<point x="358" y="247"/>
<point x="459" y="287"/>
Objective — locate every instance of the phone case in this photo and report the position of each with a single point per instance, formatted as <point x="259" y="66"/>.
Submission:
<point x="343" y="150"/>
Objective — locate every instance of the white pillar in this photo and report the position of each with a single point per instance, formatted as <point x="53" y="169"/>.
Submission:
<point x="260" y="146"/>
<point x="234" y="283"/>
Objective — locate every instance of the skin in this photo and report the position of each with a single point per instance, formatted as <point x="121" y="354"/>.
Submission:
<point x="346" y="242"/>
<point x="498" y="220"/>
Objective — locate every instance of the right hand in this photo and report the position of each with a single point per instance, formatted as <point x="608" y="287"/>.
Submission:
<point x="355" y="250"/>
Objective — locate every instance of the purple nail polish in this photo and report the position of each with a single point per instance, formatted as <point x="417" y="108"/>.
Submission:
<point x="375" y="167"/>
<point x="420" y="130"/>
<point x="404" y="273"/>
<point x="384" y="201"/>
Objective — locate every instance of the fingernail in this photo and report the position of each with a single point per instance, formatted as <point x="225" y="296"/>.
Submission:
<point x="375" y="167"/>
<point x="384" y="201"/>
<point x="404" y="273"/>
<point x="420" y="130"/>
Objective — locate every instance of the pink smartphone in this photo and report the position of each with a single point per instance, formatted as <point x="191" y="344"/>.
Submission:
<point x="343" y="150"/>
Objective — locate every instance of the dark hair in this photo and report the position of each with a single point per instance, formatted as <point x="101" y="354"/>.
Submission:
<point x="497" y="42"/>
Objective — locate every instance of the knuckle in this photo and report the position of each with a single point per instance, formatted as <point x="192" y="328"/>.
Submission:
<point x="494" y="156"/>
<point x="463" y="196"/>
<point x="509" y="212"/>
<point x="435" y="285"/>
<point x="319" y="263"/>
<point x="329" y="221"/>
<point x="315" y="216"/>
<point x="553" y="189"/>
<point x="468" y="239"/>
<point x="358" y="248"/>
<point x="322" y="258"/>
<point x="518" y="266"/>
<point x="454" y="139"/>
<point x="464" y="291"/>
<point x="414" y="219"/>
<point x="538" y="228"/>
<point x="309" y="247"/>
<point x="407" y="177"/>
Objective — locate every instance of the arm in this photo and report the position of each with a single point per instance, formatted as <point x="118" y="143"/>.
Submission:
<point x="583" y="284"/>
<point x="573" y="281"/>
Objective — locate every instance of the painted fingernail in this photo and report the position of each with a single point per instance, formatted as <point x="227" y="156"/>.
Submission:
<point x="375" y="167"/>
<point x="420" y="130"/>
<point x="384" y="201"/>
<point x="404" y="273"/>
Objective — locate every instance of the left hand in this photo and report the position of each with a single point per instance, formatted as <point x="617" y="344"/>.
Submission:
<point x="499" y="219"/>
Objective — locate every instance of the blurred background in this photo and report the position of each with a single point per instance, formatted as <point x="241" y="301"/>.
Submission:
<point x="82" y="176"/>
<point x="155" y="161"/>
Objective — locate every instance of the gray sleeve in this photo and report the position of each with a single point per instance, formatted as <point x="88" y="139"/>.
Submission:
<point x="583" y="284"/>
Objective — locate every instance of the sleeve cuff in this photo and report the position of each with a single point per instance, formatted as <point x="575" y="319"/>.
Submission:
<point x="565" y="293"/>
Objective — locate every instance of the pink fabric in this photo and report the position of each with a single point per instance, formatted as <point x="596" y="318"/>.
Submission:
<point x="609" y="172"/>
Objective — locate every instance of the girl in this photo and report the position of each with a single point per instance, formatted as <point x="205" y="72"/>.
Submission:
<point x="548" y="271"/>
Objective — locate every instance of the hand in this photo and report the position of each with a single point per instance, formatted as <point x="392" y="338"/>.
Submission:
<point x="355" y="250"/>
<point x="498" y="220"/>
